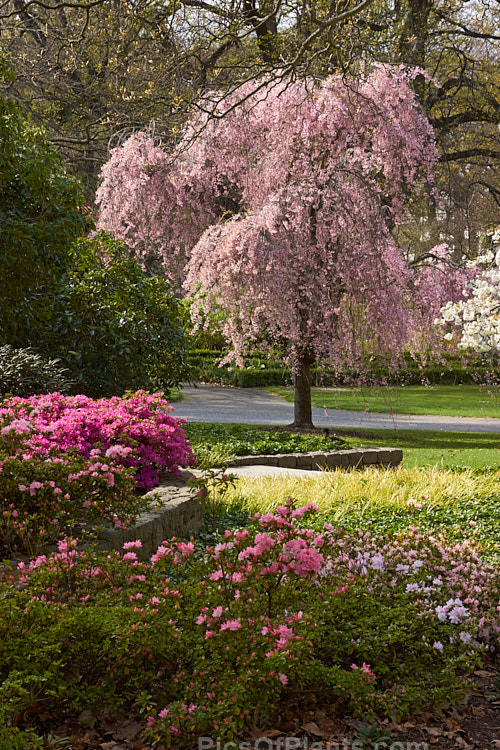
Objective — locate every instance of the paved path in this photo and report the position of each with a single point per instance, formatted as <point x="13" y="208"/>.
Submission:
<point x="261" y="470"/>
<point x="211" y="403"/>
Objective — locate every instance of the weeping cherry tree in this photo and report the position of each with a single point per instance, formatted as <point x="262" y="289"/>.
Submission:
<point x="281" y="214"/>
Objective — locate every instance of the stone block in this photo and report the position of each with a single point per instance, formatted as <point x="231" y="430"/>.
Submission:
<point x="181" y="515"/>
<point x="318" y="461"/>
<point x="287" y="461"/>
<point x="333" y="460"/>
<point x="351" y="457"/>
<point x="270" y="460"/>
<point x="304" y="461"/>
<point x="370" y="455"/>
<point x="243" y="461"/>
<point x="391" y="456"/>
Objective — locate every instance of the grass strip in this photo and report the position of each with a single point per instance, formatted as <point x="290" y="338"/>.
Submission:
<point x="439" y="400"/>
<point x="439" y="448"/>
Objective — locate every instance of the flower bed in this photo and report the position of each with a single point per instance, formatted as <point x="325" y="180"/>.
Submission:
<point x="67" y="460"/>
<point x="199" y="635"/>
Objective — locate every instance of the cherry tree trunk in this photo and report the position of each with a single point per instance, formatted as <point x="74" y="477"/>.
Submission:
<point x="302" y="416"/>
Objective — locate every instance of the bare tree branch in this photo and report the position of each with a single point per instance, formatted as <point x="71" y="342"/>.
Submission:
<point x="470" y="153"/>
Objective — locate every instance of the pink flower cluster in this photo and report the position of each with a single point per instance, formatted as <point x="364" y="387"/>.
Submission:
<point x="137" y="431"/>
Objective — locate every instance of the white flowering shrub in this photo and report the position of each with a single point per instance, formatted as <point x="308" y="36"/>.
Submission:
<point x="478" y="314"/>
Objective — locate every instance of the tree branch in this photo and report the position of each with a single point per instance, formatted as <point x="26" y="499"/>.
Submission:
<point x="207" y="6"/>
<point x="57" y="6"/>
<point x="461" y="29"/>
<point x="340" y="18"/>
<point x="488" y="153"/>
<point x="449" y="121"/>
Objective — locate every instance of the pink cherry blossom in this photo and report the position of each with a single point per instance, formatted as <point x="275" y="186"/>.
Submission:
<point x="282" y="214"/>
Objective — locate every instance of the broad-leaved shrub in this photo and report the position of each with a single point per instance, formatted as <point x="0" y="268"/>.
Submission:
<point x="24" y="372"/>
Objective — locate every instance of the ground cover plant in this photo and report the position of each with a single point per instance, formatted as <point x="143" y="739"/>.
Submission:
<point x="67" y="460"/>
<point x="463" y="504"/>
<point x="448" y="400"/>
<point x="215" y="444"/>
<point x="196" y="636"/>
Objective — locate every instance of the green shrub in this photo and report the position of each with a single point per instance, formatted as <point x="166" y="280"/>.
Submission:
<point x="450" y="371"/>
<point x="247" y="378"/>
<point x="114" y="327"/>
<point x="23" y="372"/>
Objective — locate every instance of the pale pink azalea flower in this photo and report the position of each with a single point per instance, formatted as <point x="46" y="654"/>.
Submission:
<point x="137" y="544"/>
<point x="230" y="625"/>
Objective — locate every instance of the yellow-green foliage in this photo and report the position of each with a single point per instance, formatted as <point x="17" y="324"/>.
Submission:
<point x="336" y="491"/>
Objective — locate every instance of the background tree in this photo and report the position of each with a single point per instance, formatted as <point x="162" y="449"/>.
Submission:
<point x="292" y="196"/>
<point x="97" y="70"/>
<point x="94" y="72"/>
<point x="476" y="317"/>
<point x="113" y="327"/>
<point x="89" y="71"/>
<point x="457" y="44"/>
<point x="39" y="219"/>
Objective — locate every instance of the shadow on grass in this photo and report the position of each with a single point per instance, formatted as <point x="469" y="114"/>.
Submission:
<point x="430" y="439"/>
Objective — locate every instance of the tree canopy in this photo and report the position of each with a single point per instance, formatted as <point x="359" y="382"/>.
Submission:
<point x="284" y="210"/>
<point x="94" y="71"/>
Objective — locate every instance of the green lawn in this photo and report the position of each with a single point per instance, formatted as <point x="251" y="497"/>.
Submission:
<point x="445" y="400"/>
<point x="434" y="447"/>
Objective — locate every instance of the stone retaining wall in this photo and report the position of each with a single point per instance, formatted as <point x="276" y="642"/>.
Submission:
<point x="314" y="461"/>
<point x="174" y="511"/>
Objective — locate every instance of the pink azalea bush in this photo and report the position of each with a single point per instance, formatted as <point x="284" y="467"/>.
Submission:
<point x="209" y="640"/>
<point x="67" y="458"/>
<point x="43" y="499"/>
<point x="137" y="431"/>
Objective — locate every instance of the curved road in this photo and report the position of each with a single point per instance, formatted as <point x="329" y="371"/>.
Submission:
<point x="212" y="403"/>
